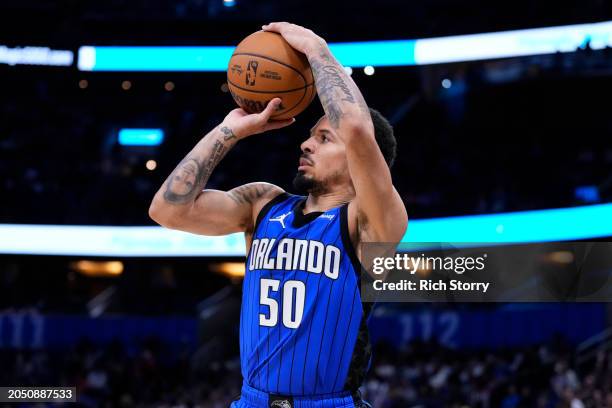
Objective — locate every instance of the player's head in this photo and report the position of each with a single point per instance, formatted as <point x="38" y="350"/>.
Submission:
<point x="323" y="165"/>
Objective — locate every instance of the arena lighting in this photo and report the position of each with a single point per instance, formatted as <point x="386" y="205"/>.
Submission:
<point x="141" y="137"/>
<point x="151" y="165"/>
<point x="98" y="269"/>
<point x="471" y="47"/>
<point x="35" y="56"/>
<point x="116" y="58"/>
<point x="229" y="269"/>
<point x="588" y="194"/>
<point x="560" y="257"/>
<point x="76" y="240"/>
<point x="564" y="224"/>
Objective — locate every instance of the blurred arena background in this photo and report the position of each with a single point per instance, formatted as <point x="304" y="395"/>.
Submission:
<point x="521" y="124"/>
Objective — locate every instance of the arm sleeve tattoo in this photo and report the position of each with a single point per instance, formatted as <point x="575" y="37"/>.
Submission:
<point x="249" y="193"/>
<point x="337" y="91"/>
<point x="193" y="172"/>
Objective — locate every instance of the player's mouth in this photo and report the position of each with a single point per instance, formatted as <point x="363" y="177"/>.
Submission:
<point x="304" y="163"/>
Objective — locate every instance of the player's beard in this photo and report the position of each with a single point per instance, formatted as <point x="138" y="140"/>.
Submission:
<point x="304" y="184"/>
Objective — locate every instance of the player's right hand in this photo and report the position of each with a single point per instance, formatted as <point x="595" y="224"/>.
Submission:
<point x="245" y="124"/>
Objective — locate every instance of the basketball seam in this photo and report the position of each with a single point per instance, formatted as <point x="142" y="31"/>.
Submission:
<point x="256" y="91"/>
<point x="294" y="106"/>
<point x="291" y="108"/>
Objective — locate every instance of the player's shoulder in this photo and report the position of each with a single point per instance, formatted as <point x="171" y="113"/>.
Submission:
<point x="256" y="194"/>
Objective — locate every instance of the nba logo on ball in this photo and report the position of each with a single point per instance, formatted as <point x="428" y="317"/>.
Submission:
<point x="251" y="73"/>
<point x="273" y="69"/>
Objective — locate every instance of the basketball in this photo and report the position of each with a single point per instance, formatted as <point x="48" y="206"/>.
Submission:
<point x="264" y="66"/>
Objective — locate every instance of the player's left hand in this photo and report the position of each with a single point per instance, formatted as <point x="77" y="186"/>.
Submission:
<point x="300" y="38"/>
<point x="244" y="124"/>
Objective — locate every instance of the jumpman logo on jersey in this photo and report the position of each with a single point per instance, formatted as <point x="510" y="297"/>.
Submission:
<point x="281" y="218"/>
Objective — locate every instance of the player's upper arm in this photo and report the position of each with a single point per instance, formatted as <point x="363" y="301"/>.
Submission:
<point x="216" y="212"/>
<point x="379" y="207"/>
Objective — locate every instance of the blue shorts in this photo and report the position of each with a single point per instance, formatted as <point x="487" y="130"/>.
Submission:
<point x="252" y="398"/>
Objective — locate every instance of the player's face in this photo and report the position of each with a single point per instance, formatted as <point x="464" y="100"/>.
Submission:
<point x="323" y="163"/>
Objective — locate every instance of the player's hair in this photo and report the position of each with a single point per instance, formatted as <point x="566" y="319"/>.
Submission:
<point x="383" y="132"/>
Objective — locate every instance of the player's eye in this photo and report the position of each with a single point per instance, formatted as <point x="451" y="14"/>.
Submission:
<point x="324" y="138"/>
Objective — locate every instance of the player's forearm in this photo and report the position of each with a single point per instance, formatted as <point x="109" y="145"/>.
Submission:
<point x="342" y="101"/>
<point x="189" y="178"/>
<point x="347" y="110"/>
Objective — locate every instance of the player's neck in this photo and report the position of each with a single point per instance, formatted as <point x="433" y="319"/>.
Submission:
<point x="325" y="201"/>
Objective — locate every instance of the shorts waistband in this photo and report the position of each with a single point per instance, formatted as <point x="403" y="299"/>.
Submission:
<point x="263" y="399"/>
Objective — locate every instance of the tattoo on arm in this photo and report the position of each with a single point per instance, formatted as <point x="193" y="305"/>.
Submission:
<point x="228" y="133"/>
<point x="335" y="88"/>
<point x="249" y="193"/>
<point x="192" y="174"/>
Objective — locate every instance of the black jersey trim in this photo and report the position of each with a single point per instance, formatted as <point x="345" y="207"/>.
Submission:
<point x="361" y="358"/>
<point x="362" y="351"/>
<point x="266" y="208"/>
<point x="348" y="244"/>
<point x="299" y="218"/>
<point x="360" y="271"/>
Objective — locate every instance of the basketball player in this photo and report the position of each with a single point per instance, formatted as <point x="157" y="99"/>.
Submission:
<point x="303" y="334"/>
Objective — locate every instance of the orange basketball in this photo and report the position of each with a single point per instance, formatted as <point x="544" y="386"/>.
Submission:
<point x="263" y="67"/>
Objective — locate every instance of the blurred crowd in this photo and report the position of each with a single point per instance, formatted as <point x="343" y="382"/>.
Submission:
<point x="427" y="375"/>
<point x="423" y="375"/>
<point x="114" y="377"/>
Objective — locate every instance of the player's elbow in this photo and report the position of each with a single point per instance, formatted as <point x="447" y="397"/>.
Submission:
<point x="156" y="214"/>
<point x="162" y="215"/>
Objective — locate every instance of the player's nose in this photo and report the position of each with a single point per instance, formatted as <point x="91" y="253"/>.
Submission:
<point x="308" y="145"/>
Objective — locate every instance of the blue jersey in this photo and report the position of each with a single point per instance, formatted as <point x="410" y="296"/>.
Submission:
<point x="302" y="326"/>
